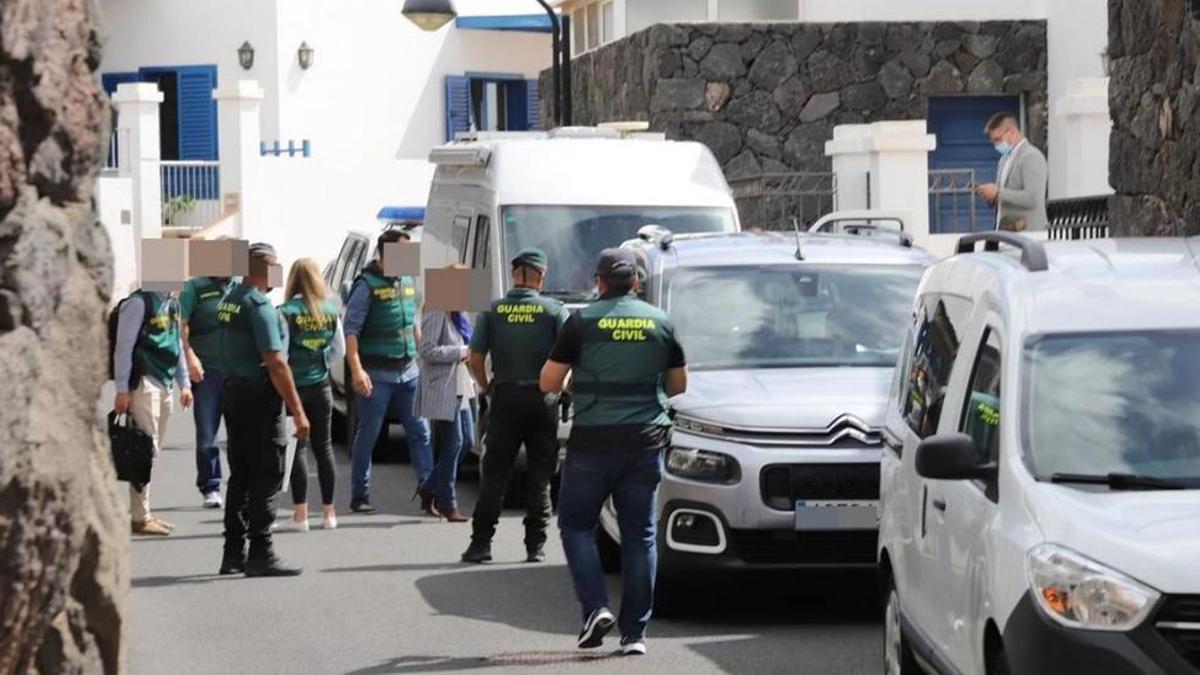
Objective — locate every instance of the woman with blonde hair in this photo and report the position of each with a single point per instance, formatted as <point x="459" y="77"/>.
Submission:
<point x="314" y="337"/>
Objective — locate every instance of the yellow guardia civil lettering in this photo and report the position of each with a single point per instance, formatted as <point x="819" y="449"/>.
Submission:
<point x="410" y="291"/>
<point x="626" y="329"/>
<point x="386" y="293"/>
<point x="519" y="313"/>
<point x="310" y="322"/>
<point x="227" y="310"/>
<point x="314" y="344"/>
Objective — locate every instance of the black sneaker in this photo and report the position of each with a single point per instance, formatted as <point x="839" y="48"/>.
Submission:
<point x="270" y="567"/>
<point x="595" y="628"/>
<point x="633" y="646"/>
<point x="232" y="565"/>
<point x="535" y="554"/>
<point x="477" y="552"/>
<point x="361" y="506"/>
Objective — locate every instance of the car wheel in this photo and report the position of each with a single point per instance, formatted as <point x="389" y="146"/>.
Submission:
<point x="610" y="551"/>
<point x="898" y="658"/>
<point x="998" y="663"/>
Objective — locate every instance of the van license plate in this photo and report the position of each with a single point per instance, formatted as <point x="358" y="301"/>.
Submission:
<point x="835" y="515"/>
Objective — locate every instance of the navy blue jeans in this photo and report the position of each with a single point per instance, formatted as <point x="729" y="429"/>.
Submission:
<point x="206" y="412"/>
<point x="630" y="474"/>
<point x="396" y="398"/>
<point x="448" y="442"/>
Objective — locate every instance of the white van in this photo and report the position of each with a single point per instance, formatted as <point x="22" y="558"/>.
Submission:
<point x="572" y="192"/>
<point x="1040" y="483"/>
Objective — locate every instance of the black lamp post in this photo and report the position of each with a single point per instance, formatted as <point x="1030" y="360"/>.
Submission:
<point x="246" y="55"/>
<point x="430" y="15"/>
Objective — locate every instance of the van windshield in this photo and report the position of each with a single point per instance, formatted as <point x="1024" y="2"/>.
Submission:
<point x="791" y="316"/>
<point x="1115" y="403"/>
<point x="573" y="236"/>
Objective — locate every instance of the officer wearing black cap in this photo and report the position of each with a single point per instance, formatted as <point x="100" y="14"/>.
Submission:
<point x="518" y="332"/>
<point x="258" y="382"/>
<point x="624" y="362"/>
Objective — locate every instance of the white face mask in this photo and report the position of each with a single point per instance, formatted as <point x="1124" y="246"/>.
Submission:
<point x="1004" y="148"/>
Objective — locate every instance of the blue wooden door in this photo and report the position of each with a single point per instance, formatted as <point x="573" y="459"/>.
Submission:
<point x="962" y="146"/>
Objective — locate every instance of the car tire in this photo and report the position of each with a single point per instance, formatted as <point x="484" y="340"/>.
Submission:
<point x="610" y="551"/>
<point x="997" y="663"/>
<point x="898" y="657"/>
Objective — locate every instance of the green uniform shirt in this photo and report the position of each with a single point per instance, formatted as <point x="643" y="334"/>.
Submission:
<point x="198" y="305"/>
<point x="157" y="348"/>
<point x="619" y="349"/>
<point x="309" y="339"/>
<point x="249" y="326"/>
<point x="519" y="331"/>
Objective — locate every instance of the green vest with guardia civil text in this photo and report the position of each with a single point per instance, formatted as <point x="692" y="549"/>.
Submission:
<point x="157" y="349"/>
<point x="389" y="330"/>
<point x="202" y="324"/>
<point x="235" y="315"/>
<point x="522" y="328"/>
<point x="309" y="339"/>
<point x="619" y="375"/>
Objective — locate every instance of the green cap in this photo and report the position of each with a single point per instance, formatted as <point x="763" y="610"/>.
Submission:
<point x="531" y="257"/>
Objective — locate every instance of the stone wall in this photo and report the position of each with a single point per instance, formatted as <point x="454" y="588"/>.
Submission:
<point x="1154" y="99"/>
<point x="63" y="537"/>
<point x="765" y="97"/>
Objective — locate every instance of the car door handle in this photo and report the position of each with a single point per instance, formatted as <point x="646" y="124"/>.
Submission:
<point x="939" y="504"/>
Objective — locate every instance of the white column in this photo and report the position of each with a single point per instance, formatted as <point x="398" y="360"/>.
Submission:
<point x="137" y="115"/>
<point x="239" y="106"/>
<point x="1087" y="125"/>
<point x="896" y="155"/>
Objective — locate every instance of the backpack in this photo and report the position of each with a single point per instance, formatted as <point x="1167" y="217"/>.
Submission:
<point x="113" y="320"/>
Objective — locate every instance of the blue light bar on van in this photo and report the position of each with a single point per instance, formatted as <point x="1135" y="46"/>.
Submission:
<point x="460" y="156"/>
<point x="402" y="214"/>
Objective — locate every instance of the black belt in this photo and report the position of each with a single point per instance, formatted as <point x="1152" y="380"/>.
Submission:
<point x="383" y="362"/>
<point x="241" y="381"/>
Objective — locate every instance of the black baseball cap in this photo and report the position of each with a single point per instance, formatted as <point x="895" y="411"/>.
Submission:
<point x="616" y="263"/>
<point x="531" y="257"/>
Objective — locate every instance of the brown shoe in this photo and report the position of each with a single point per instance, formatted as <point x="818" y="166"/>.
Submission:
<point x="150" y="526"/>
<point x="160" y="521"/>
<point x="454" y="515"/>
<point x="429" y="508"/>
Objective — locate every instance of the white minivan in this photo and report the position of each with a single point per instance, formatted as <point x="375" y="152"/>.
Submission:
<point x="573" y="192"/>
<point x="1040" y="483"/>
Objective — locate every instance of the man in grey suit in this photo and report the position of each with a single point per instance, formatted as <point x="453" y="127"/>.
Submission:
<point x="1019" y="193"/>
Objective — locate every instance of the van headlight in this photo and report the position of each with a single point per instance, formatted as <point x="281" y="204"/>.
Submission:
<point x="703" y="465"/>
<point x="1078" y="592"/>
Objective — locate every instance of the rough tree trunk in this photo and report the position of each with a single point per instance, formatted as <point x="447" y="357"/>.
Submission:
<point x="63" y="537"/>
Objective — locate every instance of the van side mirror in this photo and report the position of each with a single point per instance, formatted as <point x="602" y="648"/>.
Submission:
<point x="952" y="456"/>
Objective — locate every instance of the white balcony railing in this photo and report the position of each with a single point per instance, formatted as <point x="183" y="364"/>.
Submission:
<point x="190" y="193"/>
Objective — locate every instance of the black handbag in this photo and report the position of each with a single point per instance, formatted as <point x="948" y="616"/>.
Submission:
<point x="132" y="449"/>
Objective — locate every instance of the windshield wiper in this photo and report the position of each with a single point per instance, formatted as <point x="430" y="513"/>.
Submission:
<point x="1126" y="481"/>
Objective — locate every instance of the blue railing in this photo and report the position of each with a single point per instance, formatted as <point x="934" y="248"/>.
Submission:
<point x="277" y="149"/>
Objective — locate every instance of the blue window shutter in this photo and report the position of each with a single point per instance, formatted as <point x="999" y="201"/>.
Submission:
<point x="109" y="81"/>
<point x="197" y="112"/>
<point x="458" y="105"/>
<point x="533" y="102"/>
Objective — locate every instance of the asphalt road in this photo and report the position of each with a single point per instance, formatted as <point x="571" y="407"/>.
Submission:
<point x="386" y="594"/>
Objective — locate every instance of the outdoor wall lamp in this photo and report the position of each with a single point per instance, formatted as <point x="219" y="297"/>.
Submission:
<point x="305" y="54"/>
<point x="246" y="55"/>
<point x="430" y="15"/>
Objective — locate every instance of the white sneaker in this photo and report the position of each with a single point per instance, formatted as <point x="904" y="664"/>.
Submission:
<point x="595" y="628"/>
<point x="632" y="647"/>
<point x="212" y="500"/>
<point x="329" y="523"/>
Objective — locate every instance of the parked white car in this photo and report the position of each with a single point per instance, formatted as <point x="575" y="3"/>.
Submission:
<point x="1040" y="486"/>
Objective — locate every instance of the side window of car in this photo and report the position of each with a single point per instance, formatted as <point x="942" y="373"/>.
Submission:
<point x="483" y="231"/>
<point x="461" y="233"/>
<point x="940" y="322"/>
<point x="981" y="410"/>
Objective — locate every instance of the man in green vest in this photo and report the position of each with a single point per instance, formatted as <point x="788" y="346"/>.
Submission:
<point x="147" y="361"/>
<point x="258" y="382"/>
<point x="381" y="349"/>
<point x="517" y="332"/>
<point x="624" y="362"/>
<point x="198" y="305"/>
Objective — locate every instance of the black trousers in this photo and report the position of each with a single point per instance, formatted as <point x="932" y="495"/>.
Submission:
<point x="518" y="416"/>
<point x="257" y="440"/>
<point x="317" y="400"/>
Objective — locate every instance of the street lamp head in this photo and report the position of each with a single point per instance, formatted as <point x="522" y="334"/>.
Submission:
<point x="246" y="56"/>
<point x="305" y="54"/>
<point x="429" y="15"/>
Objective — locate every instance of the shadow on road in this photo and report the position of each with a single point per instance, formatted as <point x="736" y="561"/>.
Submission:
<point x="160" y="581"/>
<point x="442" y="664"/>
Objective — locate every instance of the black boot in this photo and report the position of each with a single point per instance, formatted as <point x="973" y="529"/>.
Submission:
<point x="535" y="553"/>
<point x="478" y="552"/>
<point x="263" y="563"/>
<point x="233" y="560"/>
